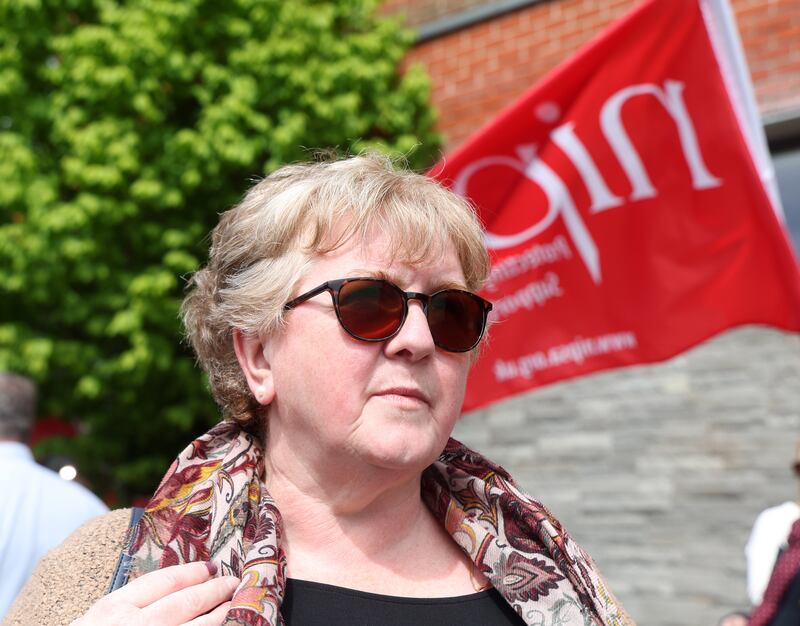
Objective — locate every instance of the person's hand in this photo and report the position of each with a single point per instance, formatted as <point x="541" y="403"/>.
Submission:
<point x="734" y="619"/>
<point x="179" y="595"/>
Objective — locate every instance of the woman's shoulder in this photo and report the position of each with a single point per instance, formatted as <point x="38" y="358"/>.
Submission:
<point x="73" y="575"/>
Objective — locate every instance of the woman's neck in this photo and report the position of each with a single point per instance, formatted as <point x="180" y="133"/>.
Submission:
<point x="374" y="534"/>
<point x="331" y="512"/>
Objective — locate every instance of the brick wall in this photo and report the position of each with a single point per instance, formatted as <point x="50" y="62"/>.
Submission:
<point x="478" y="70"/>
<point x="659" y="471"/>
<point x="771" y="37"/>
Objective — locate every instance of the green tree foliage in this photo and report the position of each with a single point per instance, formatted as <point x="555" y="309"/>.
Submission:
<point x="125" y="129"/>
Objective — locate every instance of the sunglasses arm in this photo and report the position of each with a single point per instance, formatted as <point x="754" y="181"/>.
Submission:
<point x="307" y="296"/>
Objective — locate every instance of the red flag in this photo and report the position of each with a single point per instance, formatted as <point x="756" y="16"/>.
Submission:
<point x="623" y="207"/>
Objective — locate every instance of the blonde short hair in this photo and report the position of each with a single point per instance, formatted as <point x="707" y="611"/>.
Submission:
<point x="263" y="246"/>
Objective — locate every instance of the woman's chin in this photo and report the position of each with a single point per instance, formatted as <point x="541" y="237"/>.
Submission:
<point x="403" y="449"/>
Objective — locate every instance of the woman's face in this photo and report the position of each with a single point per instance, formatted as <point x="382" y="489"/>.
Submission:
<point x="391" y="404"/>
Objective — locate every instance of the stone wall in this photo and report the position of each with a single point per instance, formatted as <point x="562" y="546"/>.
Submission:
<point x="659" y="471"/>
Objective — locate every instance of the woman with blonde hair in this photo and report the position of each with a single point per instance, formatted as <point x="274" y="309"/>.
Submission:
<point x="337" y="320"/>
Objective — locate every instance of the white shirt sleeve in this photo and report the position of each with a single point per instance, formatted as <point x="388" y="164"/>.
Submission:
<point x="768" y="536"/>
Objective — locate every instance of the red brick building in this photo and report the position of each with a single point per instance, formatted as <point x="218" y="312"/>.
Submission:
<point x="481" y="55"/>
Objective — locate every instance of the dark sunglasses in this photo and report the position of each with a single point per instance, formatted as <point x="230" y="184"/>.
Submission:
<point x="373" y="309"/>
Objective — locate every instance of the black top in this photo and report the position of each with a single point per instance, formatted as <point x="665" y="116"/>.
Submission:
<point x="315" y="604"/>
<point x="788" y="613"/>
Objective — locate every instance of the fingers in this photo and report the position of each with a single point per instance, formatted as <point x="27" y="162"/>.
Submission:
<point x="190" y="602"/>
<point x="155" y="585"/>
<point x="174" y="595"/>
<point x="214" y="618"/>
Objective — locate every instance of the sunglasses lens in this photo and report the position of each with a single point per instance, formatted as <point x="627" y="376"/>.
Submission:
<point x="370" y="309"/>
<point x="456" y="319"/>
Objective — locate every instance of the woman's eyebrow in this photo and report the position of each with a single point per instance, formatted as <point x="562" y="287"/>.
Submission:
<point x="381" y="274"/>
<point x="384" y="275"/>
<point x="359" y="273"/>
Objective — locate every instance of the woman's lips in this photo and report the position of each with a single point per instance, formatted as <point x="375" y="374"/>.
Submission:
<point x="404" y="395"/>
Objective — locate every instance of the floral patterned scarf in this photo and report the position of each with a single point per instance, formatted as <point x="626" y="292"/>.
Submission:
<point x="212" y="505"/>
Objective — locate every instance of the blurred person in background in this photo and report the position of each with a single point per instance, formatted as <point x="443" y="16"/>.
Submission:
<point x="769" y="538"/>
<point x="39" y="509"/>
<point x="337" y="321"/>
<point x="773" y="563"/>
<point x="767" y="545"/>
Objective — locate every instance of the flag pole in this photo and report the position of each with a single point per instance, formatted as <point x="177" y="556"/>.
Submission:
<point x="728" y="49"/>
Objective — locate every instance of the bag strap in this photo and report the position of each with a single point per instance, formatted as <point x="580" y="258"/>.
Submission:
<point x="121" y="571"/>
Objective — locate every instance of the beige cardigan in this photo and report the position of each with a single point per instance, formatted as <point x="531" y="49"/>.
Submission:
<point x="73" y="576"/>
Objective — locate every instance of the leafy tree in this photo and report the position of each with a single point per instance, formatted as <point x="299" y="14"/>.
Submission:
<point x="125" y="129"/>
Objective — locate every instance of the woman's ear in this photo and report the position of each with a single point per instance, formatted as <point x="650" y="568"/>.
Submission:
<point x="256" y="366"/>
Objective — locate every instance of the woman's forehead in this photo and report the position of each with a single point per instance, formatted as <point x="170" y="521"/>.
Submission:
<point x="388" y="246"/>
<point x="439" y="265"/>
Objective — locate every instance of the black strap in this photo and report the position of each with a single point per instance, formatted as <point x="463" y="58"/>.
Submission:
<point x="121" y="571"/>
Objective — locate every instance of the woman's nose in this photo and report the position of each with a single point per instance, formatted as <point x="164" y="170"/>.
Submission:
<point x="414" y="338"/>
